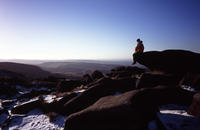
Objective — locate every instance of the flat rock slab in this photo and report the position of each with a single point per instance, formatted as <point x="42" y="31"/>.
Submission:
<point x="26" y="107"/>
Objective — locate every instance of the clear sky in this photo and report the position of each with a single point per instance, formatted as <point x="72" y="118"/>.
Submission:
<point x="95" y="29"/>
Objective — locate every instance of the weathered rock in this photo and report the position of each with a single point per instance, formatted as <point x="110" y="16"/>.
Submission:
<point x="103" y="87"/>
<point x="194" y="108"/>
<point x="97" y="75"/>
<point x="122" y="72"/>
<point x="57" y="106"/>
<point x="187" y="79"/>
<point x="7" y="103"/>
<point x="119" y="68"/>
<point x="169" y="61"/>
<point x="86" y="79"/>
<point x="66" y="99"/>
<point x="109" y="113"/>
<point x="66" y="86"/>
<point x="149" y="80"/>
<point x="131" y="110"/>
<point x="8" y="90"/>
<point x="196" y="82"/>
<point x="26" y="107"/>
<point x="192" y="80"/>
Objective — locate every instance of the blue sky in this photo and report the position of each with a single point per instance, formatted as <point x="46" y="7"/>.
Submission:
<point x="95" y="29"/>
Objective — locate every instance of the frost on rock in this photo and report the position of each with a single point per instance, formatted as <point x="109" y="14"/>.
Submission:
<point x="175" y="117"/>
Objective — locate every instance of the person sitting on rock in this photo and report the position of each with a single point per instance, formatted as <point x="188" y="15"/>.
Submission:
<point x="138" y="49"/>
<point x="140" y="46"/>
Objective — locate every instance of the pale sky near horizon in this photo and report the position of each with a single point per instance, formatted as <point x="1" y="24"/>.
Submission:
<point x="96" y="29"/>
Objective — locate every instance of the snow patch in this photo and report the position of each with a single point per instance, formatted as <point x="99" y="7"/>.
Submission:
<point x="31" y="100"/>
<point x="141" y="66"/>
<point x="79" y="91"/>
<point x="188" y="88"/>
<point x="49" y="98"/>
<point x="36" y="120"/>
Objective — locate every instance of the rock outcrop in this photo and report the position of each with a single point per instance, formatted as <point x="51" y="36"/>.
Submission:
<point x="194" y="108"/>
<point x="131" y="110"/>
<point x="170" y="61"/>
<point x="102" y="87"/>
<point x="150" y="80"/>
<point x="126" y="98"/>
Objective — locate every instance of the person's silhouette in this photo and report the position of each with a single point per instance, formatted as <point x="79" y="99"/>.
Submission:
<point x="138" y="49"/>
<point x="140" y="46"/>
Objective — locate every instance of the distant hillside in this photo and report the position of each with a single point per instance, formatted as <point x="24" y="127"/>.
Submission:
<point x="9" y="74"/>
<point x="30" y="71"/>
<point x="75" y="68"/>
<point x="36" y="62"/>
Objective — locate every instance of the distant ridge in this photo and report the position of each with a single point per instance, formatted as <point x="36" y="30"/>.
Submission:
<point x="30" y="71"/>
<point x="36" y="62"/>
<point x="75" y="68"/>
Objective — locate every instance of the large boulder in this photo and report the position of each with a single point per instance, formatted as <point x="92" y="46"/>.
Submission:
<point x="192" y="80"/>
<point x="194" y="108"/>
<point x="86" y="79"/>
<point x="69" y="85"/>
<point x="170" y="61"/>
<point x="26" y="107"/>
<point x="149" y="80"/>
<point x="122" y="72"/>
<point x="130" y="110"/>
<point x="8" y="90"/>
<point x="97" y="75"/>
<point x="58" y="105"/>
<point x="196" y="82"/>
<point x="103" y="87"/>
<point x="109" y="113"/>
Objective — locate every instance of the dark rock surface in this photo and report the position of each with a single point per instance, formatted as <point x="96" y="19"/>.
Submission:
<point x="109" y="113"/>
<point x="121" y="72"/>
<point x="66" y="86"/>
<point x="150" y="80"/>
<point x="103" y="87"/>
<point x="86" y="79"/>
<point x="194" y="108"/>
<point x="26" y="107"/>
<point x="8" y="90"/>
<point x="170" y="61"/>
<point x="131" y="110"/>
<point x="126" y="98"/>
<point x="97" y="75"/>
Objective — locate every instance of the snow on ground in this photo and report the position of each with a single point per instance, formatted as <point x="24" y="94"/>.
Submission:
<point x="80" y="91"/>
<point x="49" y="98"/>
<point x="188" y="88"/>
<point x="140" y="66"/>
<point x="36" y="120"/>
<point x="23" y="90"/>
<point x="175" y="117"/>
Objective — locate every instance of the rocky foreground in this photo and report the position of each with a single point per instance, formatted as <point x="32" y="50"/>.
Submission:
<point x="165" y="95"/>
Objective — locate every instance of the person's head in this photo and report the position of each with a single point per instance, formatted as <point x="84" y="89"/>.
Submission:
<point x="139" y="41"/>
